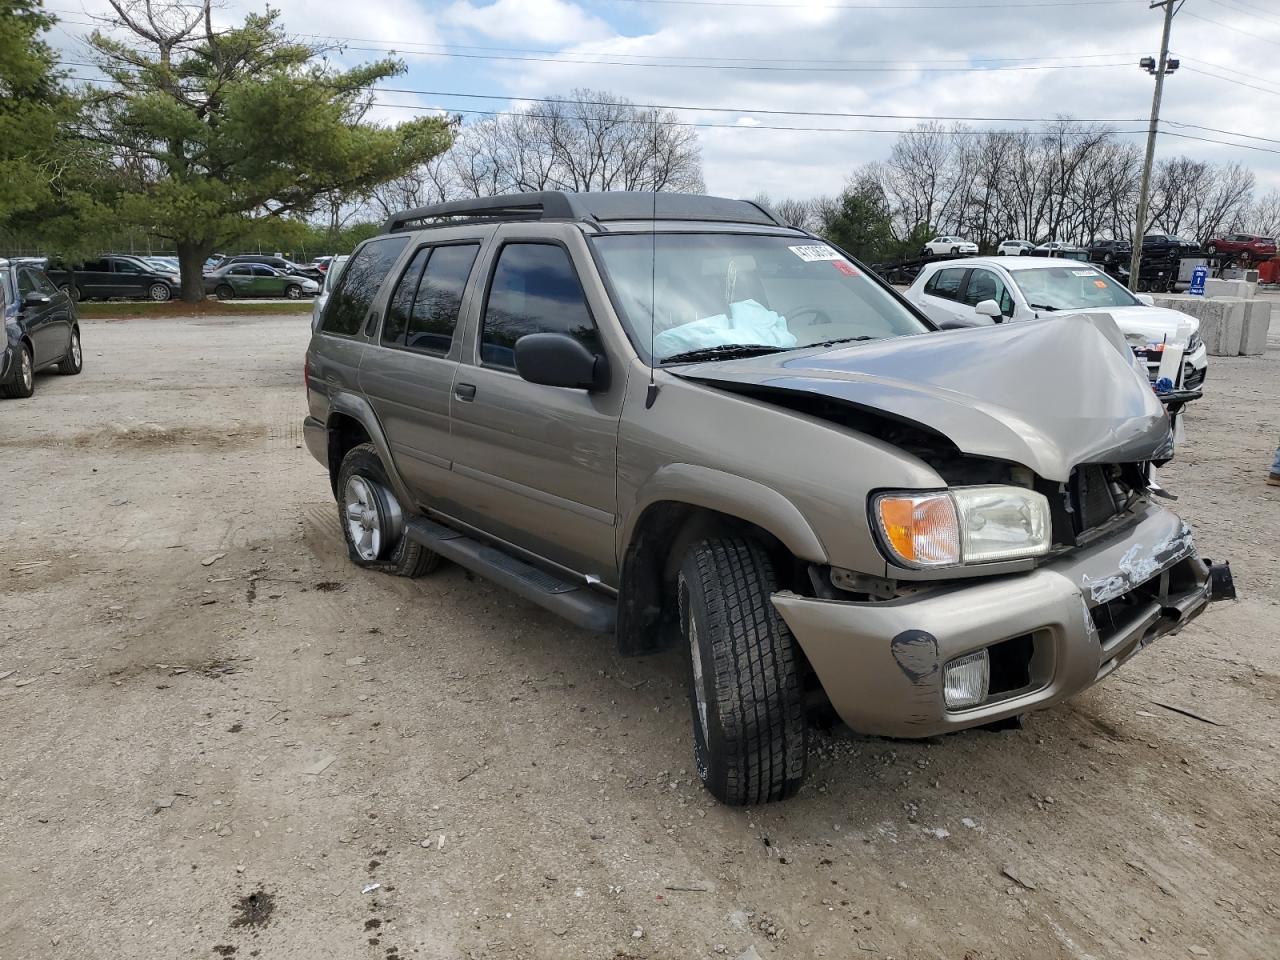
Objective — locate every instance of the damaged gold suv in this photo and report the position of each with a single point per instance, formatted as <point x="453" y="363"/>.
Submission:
<point x="678" y="420"/>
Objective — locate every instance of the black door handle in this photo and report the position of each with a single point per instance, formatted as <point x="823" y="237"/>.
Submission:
<point x="464" y="391"/>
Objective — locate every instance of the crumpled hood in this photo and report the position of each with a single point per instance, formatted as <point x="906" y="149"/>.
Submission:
<point x="1048" y="395"/>
<point x="1151" y="323"/>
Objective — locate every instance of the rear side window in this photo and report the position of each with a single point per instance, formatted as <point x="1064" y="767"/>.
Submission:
<point x="945" y="283"/>
<point x="534" y="290"/>
<point x="401" y="305"/>
<point x="358" y="285"/>
<point x="439" y="299"/>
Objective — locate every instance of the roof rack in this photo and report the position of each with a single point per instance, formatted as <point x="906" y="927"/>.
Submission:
<point x="559" y="205"/>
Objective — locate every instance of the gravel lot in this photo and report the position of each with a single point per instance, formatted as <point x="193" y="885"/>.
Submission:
<point x="219" y="735"/>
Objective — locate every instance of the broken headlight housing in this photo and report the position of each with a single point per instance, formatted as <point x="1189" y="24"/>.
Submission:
<point x="962" y="525"/>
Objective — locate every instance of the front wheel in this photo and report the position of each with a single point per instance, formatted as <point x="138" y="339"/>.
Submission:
<point x="373" y="521"/>
<point x="159" y="292"/>
<point x="24" y="380"/>
<point x="1211" y="250"/>
<point x="293" y="292"/>
<point x="73" y="361"/>
<point x="955" y="249"/>
<point x="749" y="728"/>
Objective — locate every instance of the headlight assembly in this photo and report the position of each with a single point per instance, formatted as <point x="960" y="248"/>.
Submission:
<point x="963" y="525"/>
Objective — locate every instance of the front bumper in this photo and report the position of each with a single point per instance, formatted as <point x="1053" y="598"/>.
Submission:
<point x="1067" y="624"/>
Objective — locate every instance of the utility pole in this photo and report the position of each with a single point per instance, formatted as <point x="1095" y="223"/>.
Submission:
<point x="1159" y="68"/>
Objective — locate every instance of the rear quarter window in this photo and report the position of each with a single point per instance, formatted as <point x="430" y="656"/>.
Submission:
<point x="358" y="286"/>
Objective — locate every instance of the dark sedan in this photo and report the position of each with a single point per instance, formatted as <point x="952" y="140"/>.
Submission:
<point x="1156" y="244"/>
<point x="116" y="275"/>
<point x="40" y="329"/>
<point x="1110" y="251"/>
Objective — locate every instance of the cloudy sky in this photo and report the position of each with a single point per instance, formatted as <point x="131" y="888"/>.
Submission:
<point x="900" y="58"/>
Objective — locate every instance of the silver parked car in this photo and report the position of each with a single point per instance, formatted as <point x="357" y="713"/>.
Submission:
<point x="676" y="419"/>
<point x="331" y="275"/>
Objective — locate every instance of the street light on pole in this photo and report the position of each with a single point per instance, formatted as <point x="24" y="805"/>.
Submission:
<point x="1159" y="68"/>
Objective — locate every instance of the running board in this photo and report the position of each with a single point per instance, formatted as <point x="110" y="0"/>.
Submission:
<point x="577" y="603"/>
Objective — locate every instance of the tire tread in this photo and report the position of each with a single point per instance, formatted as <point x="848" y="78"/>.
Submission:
<point x="756" y="673"/>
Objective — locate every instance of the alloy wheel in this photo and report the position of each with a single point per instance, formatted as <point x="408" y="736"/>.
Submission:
<point x="364" y="520"/>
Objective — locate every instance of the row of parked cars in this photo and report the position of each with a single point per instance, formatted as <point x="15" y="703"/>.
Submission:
<point x="158" y="278"/>
<point x="1157" y="244"/>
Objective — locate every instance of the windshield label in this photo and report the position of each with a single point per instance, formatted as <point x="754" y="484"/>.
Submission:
<point x="1084" y="273"/>
<point x="814" y="252"/>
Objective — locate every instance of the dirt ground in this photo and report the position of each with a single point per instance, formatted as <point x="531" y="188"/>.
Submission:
<point x="220" y="739"/>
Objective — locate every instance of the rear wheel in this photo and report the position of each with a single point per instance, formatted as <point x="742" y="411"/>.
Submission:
<point x="1211" y="249"/>
<point x="744" y="674"/>
<point x="373" y="521"/>
<point x="225" y="292"/>
<point x="74" y="292"/>
<point x="159" y="292"/>
<point x="24" y="380"/>
<point x="73" y="361"/>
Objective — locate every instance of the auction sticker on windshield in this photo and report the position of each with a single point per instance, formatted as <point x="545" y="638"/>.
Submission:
<point x="814" y="252"/>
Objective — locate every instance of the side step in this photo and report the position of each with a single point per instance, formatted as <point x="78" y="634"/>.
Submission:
<point x="575" y="602"/>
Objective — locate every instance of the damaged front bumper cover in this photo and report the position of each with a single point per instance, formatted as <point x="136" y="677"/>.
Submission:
<point x="1050" y="633"/>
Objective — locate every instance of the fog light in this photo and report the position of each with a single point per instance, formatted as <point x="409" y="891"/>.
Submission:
<point x="965" y="680"/>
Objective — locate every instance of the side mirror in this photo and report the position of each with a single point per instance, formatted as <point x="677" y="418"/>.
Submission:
<point x="36" y="299"/>
<point x="988" y="308"/>
<point x="1145" y="298"/>
<point x="957" y="323"/>
<point x="558" y="360"/>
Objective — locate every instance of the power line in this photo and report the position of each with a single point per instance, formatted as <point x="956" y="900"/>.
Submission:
<point x="692" y="108"/>
<point x="677" y="123"/>
<point x="1239" y="83"/>
<point x="981" y="5"/>
<point x="1229" y="133"/>
<point x="1228" y="143"/>
<point x="1236" y="6"/>
<point x="1227" y="26"/>
<point x="808" y="65"/>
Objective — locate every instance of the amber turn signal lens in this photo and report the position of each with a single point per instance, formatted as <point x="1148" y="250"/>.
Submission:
<point x="922" y="530"/>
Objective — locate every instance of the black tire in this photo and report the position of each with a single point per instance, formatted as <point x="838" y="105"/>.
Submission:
<point x="24" y="380"/>
<point x="1211" y="250"/>
<point x="293" y="292"/>
<point x="751" y="745"/>
<point x="225" y="292"/>
<point x="403" y="557"/>
<point x="74" y="292"/>
<point x="1143" y="286"/>
<point x="159" y="292"/>
<point x="955" y="250"/>
<point x="73" y="362"/>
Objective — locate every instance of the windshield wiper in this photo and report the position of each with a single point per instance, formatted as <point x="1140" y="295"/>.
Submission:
<point x="725" y="351"/>
<point x="1041" y="306"/>
<point x="832" y="343"/>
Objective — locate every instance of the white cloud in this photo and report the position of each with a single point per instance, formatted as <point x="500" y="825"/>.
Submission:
<point x="528" y="21"/>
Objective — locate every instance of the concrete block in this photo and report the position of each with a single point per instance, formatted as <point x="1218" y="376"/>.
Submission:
<point x="1216" y="288"/>
<point x="1257" y="321"/>
<point x="1233" y="328"/>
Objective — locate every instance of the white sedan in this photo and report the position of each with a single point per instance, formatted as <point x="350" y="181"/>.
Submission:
<point x="985" y="290"/>
<point x="941" y="246"/>
<point x="1014" y="248"/>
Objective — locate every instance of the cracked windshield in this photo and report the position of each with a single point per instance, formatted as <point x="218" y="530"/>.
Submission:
<point x="721" y="295"/>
